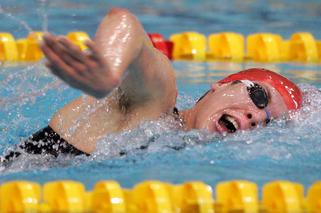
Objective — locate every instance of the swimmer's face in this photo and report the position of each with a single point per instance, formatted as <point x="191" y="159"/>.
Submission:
<point x="229" y="107"/>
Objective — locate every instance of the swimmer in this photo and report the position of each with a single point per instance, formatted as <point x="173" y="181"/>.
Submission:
<point x="138" y="84"/>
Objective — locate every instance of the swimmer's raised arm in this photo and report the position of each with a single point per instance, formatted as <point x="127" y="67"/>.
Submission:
<point x="121" y="54"/>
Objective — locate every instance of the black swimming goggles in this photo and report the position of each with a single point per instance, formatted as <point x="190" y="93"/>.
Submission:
<point x="258" y="96"/>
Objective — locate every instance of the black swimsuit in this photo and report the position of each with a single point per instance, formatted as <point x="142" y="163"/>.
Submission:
<point x="47" y="141"/>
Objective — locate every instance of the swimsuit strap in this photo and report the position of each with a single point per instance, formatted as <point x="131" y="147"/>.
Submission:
<point x="177" y="117"/>
<point x="175" y="111"/>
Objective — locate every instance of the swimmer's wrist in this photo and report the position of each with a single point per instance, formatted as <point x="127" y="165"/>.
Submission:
<point x="112" y="82"/>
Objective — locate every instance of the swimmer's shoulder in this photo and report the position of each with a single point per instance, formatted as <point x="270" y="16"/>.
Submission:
<point x="65" y="115"/>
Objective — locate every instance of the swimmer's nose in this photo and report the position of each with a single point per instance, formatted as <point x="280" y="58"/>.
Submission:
<point x="255" y="118"/>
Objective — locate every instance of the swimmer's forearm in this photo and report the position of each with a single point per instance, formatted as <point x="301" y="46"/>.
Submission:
<point x="121" y="38"/>
<point x="143" y="73"/>
<point x="117" y="47"/>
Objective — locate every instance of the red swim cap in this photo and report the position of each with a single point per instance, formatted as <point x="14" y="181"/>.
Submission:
<point x="290" y="93"/>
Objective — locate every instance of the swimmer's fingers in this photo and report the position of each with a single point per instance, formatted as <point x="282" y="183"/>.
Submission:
<point x="51" y="43"/>
<point x="52" y="49"/>
<point x="72" y="56"/>
<point x="91" y="62"/>
<point x="81" y="61"/>
<point x="71" y="80"/>
<point x="95" y="53"/>
<point x="64" y="54"/>
<point x="60" y="68"/>
<point x="65" y="67"/>
<point x="73" y="50"/>
<point x="53" y="57"/>
<point x="88" y="72"/>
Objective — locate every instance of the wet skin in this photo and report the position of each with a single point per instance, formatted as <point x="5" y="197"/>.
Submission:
<point x="137" y="83"/>
<point x="233" y="100"/>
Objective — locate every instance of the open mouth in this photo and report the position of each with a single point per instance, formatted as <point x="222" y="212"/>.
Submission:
<point x="229" y="123"/>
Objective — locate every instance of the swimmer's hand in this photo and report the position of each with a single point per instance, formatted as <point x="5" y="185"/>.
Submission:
<point x="87" y="71"/>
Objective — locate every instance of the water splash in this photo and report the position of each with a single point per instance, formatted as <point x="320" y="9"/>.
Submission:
<point x="30" y="95"/>
<point x="17" y="20"/>
<point x="17" y="87"/>
<point x="44" y="4"/>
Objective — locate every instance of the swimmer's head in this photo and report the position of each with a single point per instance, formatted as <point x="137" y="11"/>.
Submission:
<point x="244" y="100"/>
<point x="292" y="95"/>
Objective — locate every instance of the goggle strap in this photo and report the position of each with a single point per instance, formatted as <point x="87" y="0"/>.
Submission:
<point x="268" y="114"/>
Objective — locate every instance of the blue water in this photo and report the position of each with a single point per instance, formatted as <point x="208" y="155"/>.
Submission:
<point x="29" y="95"/>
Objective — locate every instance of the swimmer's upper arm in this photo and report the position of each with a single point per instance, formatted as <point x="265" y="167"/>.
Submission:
<point x="147" y="74"/>
<point x="151" y="79"/>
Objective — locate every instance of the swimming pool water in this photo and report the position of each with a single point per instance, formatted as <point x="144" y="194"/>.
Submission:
<point x="290" y="150"/>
